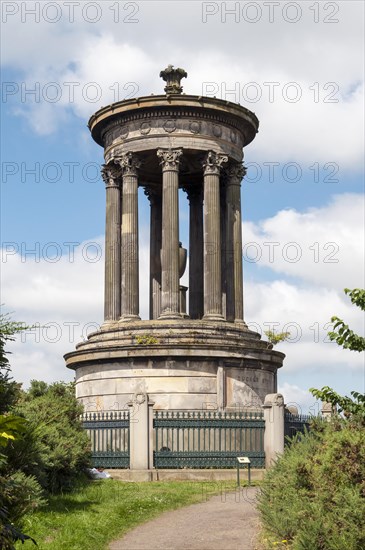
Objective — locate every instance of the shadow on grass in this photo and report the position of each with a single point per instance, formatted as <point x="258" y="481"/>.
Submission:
<point x="67" y="505"/>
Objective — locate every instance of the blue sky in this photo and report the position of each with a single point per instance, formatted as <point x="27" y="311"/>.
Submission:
<point x="300" y="69"/>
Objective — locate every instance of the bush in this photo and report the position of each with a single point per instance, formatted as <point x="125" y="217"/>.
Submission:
<point x="24" y="495"/>
<point x="43" y="448"/>
<point x="55" y="448"/>
<point x="314" y="496"/>
<point x="19" y="494"/>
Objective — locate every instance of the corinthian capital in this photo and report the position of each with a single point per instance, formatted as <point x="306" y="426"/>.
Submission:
<point x="235" y="173"/>
<point x="170" y="158"/>
<point x="111" y="174"/>
<point x="214" y="162"/>
<point x="129" y="163"/>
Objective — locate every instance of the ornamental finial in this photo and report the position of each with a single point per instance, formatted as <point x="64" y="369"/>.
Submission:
<point x="172" y="77"/>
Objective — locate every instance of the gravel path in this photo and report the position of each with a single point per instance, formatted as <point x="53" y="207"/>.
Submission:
<point x="224" y="522"/>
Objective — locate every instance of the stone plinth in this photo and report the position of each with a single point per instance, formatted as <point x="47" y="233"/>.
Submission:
<point x="180" y="364"/>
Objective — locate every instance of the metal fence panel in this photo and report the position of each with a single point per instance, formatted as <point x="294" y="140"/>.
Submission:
<point x="109" y="436"/>
<point x="194" y="439"/>
<point x="295" y="423"/>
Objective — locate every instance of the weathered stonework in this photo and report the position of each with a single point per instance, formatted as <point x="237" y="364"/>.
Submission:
<point x="205" y="358"/>
<point x="180" y="364"/>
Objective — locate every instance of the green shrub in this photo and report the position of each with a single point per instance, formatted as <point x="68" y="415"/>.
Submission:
<point x="55" y="448"/>
<point x="25" y="495"/>
<point x="314" y="496"/>
<point x="19" y="494"/>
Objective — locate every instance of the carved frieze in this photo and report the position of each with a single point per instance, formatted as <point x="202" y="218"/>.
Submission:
<point x="169" y="126"/>
<point x="217" y="130"/>
<point x="213" y="126"/>
<point x="145" y="128"/>
<point x="124" y="132"/>
<point x="195" y="127"/>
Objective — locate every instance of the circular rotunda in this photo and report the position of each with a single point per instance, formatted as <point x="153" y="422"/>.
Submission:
<point x="184" y="358"/>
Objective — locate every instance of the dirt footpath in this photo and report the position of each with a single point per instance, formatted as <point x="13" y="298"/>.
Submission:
<point x="228" y="521"/>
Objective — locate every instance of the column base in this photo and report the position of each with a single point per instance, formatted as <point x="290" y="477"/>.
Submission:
<point x="109" y="323"/>
<point x="125" y="318"/>
<point x="240" y="323"/>
<point x="170" y="315"/>
<point x="213" y="317"/>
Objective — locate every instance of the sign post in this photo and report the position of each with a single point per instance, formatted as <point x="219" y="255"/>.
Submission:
<point x="243" y="460"/>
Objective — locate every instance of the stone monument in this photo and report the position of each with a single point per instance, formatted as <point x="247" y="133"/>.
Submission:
<point x="203" y="358"/>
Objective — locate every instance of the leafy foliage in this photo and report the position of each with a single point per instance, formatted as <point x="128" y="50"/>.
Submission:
<point x="55" y="448"/>
<point x="9" y="390"/>
<point x="276" y="337"/>
<point x="43" y="447"/>
<point x="342" y="334"/>
<point x="349" y="407"/>
<point x="18" y="493"/>
<point x="10" y="427"/>
<point x="314" y="495"/>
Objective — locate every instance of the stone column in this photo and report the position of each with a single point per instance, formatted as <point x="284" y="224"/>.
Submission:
<point x="130" y="275"/>
<point x="111" y="175"/>
<point x="274" y="427"/>
<point x="235" y="173"/>
<point x="223" y="221"/>
<point x="196" y="273"/>
<point x="212" y="237"/>
<point x="155" y="252"/>
<point x="170" y="233"/>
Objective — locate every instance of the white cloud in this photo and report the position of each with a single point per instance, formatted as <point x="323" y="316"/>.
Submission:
<point x="323" y="246"/>
<point x="62" y="302"/>
<point x="66" y="299"/>
<point x="305" y="313"/>
<point x="322" y="66"/>
<point x="301" y="399"/>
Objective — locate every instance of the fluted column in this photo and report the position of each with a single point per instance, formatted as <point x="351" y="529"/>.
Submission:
<point x="111" y="175"/>
<point x="155" y="252"/>
<point x="212" y="237"/>
<point x="170" y="160"/>
<point x="130" y="275"/>
<point x="223" y="221"/>
<point x="235" y="173"/>
<point x="196" y="273"/>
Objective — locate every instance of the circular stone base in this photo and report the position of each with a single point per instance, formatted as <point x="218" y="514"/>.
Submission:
<point x="181" y="364"/>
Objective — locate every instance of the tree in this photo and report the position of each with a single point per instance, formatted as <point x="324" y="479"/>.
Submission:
<point x="351" y="407"/>
<point x="345" y="337"/>
<point x="18" y="492"/>
<point x="341" y="333"/>
<point x="9" y="390"/>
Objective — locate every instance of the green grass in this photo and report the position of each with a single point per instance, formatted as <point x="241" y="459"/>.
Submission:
<point x="100" y="511"/>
